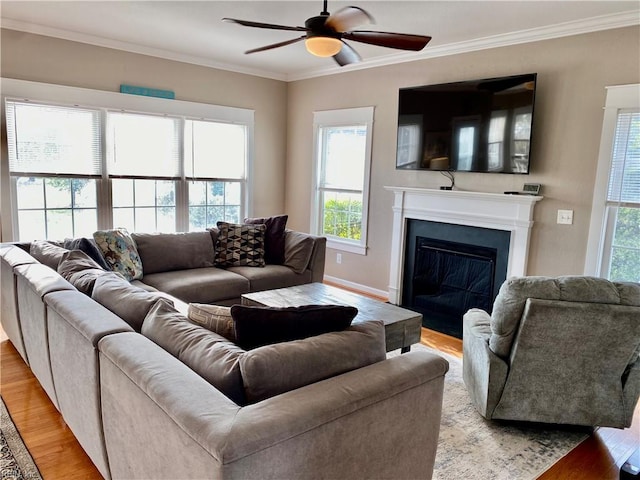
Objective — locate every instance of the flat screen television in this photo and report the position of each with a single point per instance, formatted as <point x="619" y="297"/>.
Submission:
<point x="471" y="126"/>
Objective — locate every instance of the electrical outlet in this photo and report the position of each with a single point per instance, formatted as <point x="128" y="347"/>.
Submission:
<point x="565" y="217"/>
<point x="338" y="258"/>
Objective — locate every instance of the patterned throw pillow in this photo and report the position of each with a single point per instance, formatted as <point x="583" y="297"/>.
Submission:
<point x="120" y="252"/>
<point x="240" y="245"/>
<point x="216" y="318"/>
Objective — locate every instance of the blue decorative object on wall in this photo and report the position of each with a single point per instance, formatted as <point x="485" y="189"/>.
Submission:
<point x="147" y="92"/>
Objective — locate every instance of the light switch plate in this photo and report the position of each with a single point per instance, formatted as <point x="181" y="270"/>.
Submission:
<point x="565" y="217"/>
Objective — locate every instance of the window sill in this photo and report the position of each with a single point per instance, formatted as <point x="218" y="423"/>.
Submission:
<point x="346" y="246"/>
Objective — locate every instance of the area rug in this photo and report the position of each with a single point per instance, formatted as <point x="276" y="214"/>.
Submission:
<point x="472" y="448"/>
<point x="15" y="461"/>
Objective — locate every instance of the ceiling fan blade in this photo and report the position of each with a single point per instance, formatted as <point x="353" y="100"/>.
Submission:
<point x="346" y="55"/>
<point x="248" y="23"/>
<point x="348" y="18"/>
<point x="401" y="41"/>
<point x="276" y="45"/>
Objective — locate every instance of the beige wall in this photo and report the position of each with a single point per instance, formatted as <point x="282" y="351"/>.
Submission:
<point x="572" y="74"/>
<point x="44" y="59"/>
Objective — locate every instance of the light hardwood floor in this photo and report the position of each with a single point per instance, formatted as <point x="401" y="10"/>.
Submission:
<point x="59" y="456"/>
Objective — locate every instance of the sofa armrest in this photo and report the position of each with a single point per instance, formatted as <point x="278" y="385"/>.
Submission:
<point x="484" y="373"/>
<point x="316" y="263"/>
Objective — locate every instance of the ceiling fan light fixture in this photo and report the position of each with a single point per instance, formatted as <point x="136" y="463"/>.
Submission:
<point x="323" y="46"/>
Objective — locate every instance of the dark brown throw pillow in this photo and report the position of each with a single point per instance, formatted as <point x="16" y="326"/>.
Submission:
<point x="88" y="246"/>
<point x="273" y="238"/>
<point x="258" y="326"/>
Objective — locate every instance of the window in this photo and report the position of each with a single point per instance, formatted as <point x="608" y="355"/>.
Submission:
<point x="341" y="193"/>
<point x="54" y="161"/>
<point x="144" y="164"/>
<point x="86" y="160"/>
<point x="216" y="158"/>
<point x="614" y="241"/>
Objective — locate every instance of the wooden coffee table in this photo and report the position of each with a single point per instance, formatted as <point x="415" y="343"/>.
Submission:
<point x="402" y="326"/>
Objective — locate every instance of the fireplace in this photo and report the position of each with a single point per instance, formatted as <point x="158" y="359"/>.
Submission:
<point x="488" y="231"/>
<point x="443" y="279"/>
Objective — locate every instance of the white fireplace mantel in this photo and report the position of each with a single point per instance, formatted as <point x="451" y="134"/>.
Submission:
<point x="512" y="213"/>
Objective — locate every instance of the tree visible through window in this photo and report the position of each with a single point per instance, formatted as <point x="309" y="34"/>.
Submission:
<point x="343" y="151"/>
<point x="623" y="199"/>
<point x="75" y="169"/>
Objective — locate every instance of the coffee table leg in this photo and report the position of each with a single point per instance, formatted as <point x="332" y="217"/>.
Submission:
<point x="405" y="349"/>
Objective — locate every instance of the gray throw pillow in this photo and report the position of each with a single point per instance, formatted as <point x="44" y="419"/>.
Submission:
<point x="47" y="253"/>
<point x="275" y="369"/>
<point x="298" y="250"/>
<point x="129" y="302"/>
<point x="80" y="270"/>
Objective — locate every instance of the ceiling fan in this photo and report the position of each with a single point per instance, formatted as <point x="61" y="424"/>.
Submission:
<point x="325" y="35"/>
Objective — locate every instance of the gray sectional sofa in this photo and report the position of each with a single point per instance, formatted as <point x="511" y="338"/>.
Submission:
<point x="137" y="382"/>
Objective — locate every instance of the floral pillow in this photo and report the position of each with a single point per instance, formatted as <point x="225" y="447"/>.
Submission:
<point x="120" y="252"/>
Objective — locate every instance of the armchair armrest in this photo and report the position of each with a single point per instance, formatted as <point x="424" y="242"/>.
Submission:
<point x="484" y="373"/>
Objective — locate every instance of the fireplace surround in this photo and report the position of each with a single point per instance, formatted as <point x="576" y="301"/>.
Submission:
<point x="509" y="213"/>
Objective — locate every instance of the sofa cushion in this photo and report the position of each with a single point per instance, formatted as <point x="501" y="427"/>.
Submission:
<point x="120" y="252"/>
<point x="216" y="318"/>
<point x="80" y="270"/>
<point x="200" y="285"/>
<point x="274" y="369"/>
<point x="88" y="246"/>
<point x="47" y="253"/>
<point x="240" y="245"/>
<point x="271" y="277"/>
<point x="258" y="326"/>
<point x="273" y="237"/>
<point x="129" y="302"/>
<point x="298" y="250"/>
<point x="210" y="355"/>
<point x="164" y="252"/>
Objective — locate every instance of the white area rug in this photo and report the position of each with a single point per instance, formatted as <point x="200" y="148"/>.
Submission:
<point x="472" y="448"/>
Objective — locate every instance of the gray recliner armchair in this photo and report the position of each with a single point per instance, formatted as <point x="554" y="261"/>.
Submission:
<point x="556" y="350"/>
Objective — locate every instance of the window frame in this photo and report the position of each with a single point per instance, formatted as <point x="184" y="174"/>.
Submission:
<point x="337" y="118"/>
<point x="42" y="93"/>
<point x="602" y="222"/>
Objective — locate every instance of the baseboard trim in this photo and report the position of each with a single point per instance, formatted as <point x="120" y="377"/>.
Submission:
<point x="356" y="286"/>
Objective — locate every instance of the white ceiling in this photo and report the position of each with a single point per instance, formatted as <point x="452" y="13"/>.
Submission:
<point x="193" y="31"/>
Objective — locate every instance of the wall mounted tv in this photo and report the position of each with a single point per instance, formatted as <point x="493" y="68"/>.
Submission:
<point x="470" y="126"/>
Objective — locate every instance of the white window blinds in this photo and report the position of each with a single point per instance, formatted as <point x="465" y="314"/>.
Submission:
<point x="53" y="140"/>
<point x="215" y="150"/>
<point x="143" y="145"/>
<point x="624" y="179"/>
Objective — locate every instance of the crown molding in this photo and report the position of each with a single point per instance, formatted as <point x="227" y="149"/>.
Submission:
<point x="565" y="29"/>
<point x="134" y="48"/>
